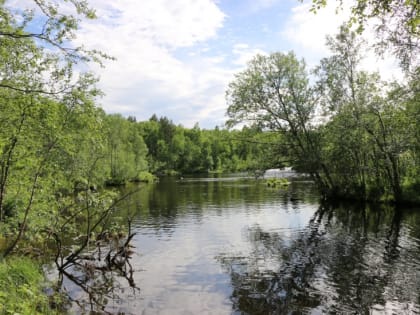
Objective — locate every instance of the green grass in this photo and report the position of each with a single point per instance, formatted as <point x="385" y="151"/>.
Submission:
<point x="21" y="288"/>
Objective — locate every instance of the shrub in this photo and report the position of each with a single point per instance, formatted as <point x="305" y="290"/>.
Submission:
<point x="147" y="177"/>
<point x="21" y="288"/>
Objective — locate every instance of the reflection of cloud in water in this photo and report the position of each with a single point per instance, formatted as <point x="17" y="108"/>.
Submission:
<point x="180" y="276"/>
<point x="239" y="247"/>
<point x="343" y="262"/>
<point x="184" y="261"/>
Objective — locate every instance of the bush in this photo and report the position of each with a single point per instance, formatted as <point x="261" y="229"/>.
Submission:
<point x="21" y="288"/>
<point x="411" y="190"/>
<point x="147" y="177"/>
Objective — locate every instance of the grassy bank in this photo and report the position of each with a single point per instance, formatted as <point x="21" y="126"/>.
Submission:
<point x="21" y="288"/>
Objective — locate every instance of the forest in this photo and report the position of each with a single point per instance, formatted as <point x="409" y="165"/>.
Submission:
<point x="356" y="135"/>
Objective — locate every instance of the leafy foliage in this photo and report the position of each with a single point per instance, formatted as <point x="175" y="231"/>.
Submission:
<point x="274" y="93"/>
<point x="195" y="150"/>
<point x="365" y="143"/>
<point x="396" y="23"/>
<point x="21" y="290"/>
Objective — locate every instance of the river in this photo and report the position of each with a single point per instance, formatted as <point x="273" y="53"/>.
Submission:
<point x="231" y="245"/>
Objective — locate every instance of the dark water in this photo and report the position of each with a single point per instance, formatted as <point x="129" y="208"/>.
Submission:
<point x="234" y="246"/>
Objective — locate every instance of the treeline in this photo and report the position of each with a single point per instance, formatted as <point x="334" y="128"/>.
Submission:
<point x="355" y="134"/>
<point x="174" y="148"/>
<point x="131" y="149"/>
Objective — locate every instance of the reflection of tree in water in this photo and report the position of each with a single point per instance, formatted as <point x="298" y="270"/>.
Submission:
<point x="276" y="278"/>
<point x="345" y="261"/>
<point x="99" y="287"/>
<point x="96" y="276"/>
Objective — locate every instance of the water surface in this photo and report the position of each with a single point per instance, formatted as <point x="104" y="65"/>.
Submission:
<point x="231" y="245"/>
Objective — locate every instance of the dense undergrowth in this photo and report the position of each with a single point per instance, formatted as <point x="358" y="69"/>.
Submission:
<point x="23" y="288"/>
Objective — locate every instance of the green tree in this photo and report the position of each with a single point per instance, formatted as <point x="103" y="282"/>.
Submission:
<point x="48" y="114"/>
<point x="273" y="93"/>
<point x="150" y="133"/>
<point x="364" y="140"/>
<point x="396" y="23"/>
<point x="37" y="157"/>
<point x="51" y="23"/>
<point x="344" y="91"/>
<point x="126" y="149"/>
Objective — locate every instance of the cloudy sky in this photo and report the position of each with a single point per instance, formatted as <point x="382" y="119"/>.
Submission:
<point x="175" y="58"/>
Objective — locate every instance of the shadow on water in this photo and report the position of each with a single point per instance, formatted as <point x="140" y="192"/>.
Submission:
<point x="349" y="260"/>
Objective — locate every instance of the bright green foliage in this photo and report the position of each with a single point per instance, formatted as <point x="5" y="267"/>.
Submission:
<point x="55" y="145"/>
<point x="367" y="148"/>
<point x="274" y="94"/>
<point x="367" y="140"/>
<point x="126" y="150"/>
<point x="195" y="150"/>
<point x="46" y="148"/>
<point x="21" y="290"/>
<point x="51" y="140"/>
<point x="277" y="182"/>
<point x="147" y="177"/>
<point x="396" y="23"/>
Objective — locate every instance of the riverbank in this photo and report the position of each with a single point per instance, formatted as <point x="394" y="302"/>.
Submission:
<point x="22" y="288"/>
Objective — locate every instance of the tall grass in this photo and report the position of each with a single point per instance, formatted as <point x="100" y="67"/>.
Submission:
<point x="21" y="288"/>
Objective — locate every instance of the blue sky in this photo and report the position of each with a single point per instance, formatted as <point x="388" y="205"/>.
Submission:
<point x="175" y="58"/>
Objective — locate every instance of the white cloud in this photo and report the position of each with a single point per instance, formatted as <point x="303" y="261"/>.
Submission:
<point x="148" y="77"/>
<point x="243" y="54"/>
<point x="164" y="22"/>
<point x="144" y="37"/>
<point x="387" y="66"/>
<point x="175" y="58"/>
<point x="308" y="30"/>
<point x="307" y="33"/>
